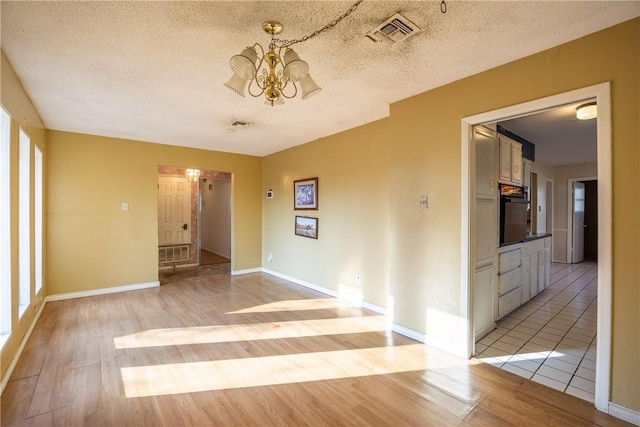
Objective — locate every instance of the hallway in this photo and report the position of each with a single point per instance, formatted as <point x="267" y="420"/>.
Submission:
<point x="552" y="339"/>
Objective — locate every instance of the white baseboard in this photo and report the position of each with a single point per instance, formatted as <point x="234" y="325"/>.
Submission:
<point x="246" y="271"/>
<point x="402" y="330"/>
<point x="409" y="333"/>
<point x="317" y="288"/>
<point x="369" y="306"/>
<point x="626" y="414"/>
<point x="23" y="343"/>
<point x="102" y="291"/>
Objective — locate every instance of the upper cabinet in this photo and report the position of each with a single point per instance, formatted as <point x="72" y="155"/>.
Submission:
<point x="510" y="161"/>
<point x="485" y="140"/>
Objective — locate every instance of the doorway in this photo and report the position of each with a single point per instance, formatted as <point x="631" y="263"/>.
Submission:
<point x="584" y="239"/>
<point x="180" y="209"/>
<point x="601" y="93"/>
<point x="214" y="221"/>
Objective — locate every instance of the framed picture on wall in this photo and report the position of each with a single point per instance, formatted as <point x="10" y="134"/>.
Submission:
<point x="305" y="194"/>
<point x="307" y="227"/>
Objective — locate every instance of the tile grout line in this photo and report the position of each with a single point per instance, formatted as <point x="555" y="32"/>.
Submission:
<point x="584" y="290"/>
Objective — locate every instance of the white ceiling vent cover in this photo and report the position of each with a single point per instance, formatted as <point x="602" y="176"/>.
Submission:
<point x="393" y="30"/>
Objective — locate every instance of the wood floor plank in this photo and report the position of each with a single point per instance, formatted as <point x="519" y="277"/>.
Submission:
<point x="255" y="350"/>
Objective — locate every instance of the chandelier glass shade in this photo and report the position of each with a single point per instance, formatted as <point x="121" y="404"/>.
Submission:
<point x="276" y="73"/>
<point x="192" y="175"/>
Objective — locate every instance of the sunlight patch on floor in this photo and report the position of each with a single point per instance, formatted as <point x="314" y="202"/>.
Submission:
<point x="141" y="381"/>
<point x="295" y="305"/>
<point x="251" y="332"/>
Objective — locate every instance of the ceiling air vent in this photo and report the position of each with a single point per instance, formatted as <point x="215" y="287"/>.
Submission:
<point x="393" y="30"/>
<point x="237" y="124"/>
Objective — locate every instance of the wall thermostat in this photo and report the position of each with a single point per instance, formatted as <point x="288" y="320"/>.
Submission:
<point x="270" y="194"/>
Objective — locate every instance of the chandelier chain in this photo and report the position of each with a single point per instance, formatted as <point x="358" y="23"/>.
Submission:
<point x="286" y="43"/>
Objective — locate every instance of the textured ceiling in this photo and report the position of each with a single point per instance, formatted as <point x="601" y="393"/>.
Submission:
<point x="154" y="71"/>
<point x="560" y="138"/>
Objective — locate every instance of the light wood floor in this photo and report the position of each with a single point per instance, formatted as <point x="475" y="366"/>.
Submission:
<point x="255" y="350"/>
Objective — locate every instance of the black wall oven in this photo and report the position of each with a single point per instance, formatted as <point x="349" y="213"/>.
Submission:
<point x="513" y="214"/>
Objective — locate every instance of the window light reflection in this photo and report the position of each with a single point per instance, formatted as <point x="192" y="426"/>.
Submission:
<point x="156" y="380"/>
<point x="250" y="332"/>
<point x="295" y="305"/>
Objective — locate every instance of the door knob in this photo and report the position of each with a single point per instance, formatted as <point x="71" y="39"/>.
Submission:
<point x="584" y="225"/>
<point x="184" y="226"/>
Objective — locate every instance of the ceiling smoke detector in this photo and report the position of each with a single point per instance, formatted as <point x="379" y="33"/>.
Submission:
<point x="393" y="30"/>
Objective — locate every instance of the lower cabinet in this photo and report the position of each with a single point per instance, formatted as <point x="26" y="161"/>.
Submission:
<point x="509" y="280"/>
<point x="547" y="262"/>
<point x="508" y="302"/>
<point x="524" y="271"/>
<point x="484" y="301"/>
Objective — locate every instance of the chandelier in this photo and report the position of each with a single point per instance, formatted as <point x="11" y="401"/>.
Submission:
<point x="277" y="72"/>
<point x="192" y="175"/>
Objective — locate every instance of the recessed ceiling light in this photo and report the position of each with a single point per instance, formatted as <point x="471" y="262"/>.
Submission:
<point x="587" y="111"/>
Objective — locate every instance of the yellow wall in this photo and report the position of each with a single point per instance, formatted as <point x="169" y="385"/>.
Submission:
<point x="418" y="151"/>
<point x="92" y="244"/>
<point x="370" y="179"/>
<point x="16" y="102"/>
<point x="353" y="213"/>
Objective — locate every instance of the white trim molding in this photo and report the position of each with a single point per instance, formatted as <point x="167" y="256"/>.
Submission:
<point x="626" y="414"/>
<point x="602" y="95"/>
<point x="102" y="291"/>
<point x="246" y="271"/>
<point x="402" y="330"/>
<point x="359" y="303"/>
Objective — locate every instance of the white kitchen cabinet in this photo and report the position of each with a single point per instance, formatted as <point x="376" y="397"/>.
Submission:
<point x="484" y="301"/>
<point x="509" y="302"/>
<point x="526" y="278"/>
<point x="535" y="262"/>
<point x="534" y="277"/>
<point x="485" y="141"/>
<point x="509" y="279"/>
<point x="510" y="161"/>
<point x="541" y="273"/>
<point x="516" y="161"/>
<point x="547" y="262"/>
<point x="486" y="231"/>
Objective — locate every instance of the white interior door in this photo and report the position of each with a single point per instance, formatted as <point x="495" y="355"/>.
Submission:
<point x="174" y="210"/>
<point x="577" y="245"/>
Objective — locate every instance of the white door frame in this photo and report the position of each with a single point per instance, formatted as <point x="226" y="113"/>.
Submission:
<point x="602" y="94"/>
<point x="570" y="183"/>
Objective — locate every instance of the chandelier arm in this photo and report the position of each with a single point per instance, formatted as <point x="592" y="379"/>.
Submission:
<point x="253" y="83"/>
<point x="286" y="43"/>
<point x="295" y="90"/>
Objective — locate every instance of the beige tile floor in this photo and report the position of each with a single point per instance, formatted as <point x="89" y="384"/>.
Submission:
<point x="552" y="338"/>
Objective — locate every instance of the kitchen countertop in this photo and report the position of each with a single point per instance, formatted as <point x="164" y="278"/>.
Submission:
<point x="536" y="236"/>
<point x="529" y="238"/>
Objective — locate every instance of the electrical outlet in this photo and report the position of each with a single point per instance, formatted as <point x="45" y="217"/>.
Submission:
<point x="124" y="207"/>
<point x="357" y="278"/>
<point x="270" y="258"/>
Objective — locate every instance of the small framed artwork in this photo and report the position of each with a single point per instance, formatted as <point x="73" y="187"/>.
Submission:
<point x="307" y="227"/>
<point x="305" y="194"/>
